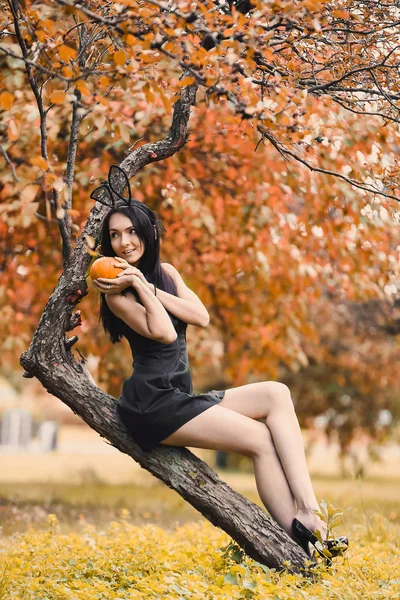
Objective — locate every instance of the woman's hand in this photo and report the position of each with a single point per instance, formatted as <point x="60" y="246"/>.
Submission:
<point x="130" y="276"/>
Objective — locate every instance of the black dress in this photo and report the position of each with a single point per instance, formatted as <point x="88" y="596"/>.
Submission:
<point x="158" y="397"/>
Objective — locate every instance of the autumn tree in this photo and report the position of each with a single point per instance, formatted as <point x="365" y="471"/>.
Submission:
<point x="292" y="142"/>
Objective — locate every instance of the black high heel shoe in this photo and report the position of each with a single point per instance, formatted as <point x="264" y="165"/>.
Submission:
<point x="304" y="537"/>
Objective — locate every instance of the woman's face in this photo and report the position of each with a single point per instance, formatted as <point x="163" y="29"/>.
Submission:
<point x="124" y="239"/>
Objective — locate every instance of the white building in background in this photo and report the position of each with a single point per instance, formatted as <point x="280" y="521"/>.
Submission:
<point x="21" y="423"/>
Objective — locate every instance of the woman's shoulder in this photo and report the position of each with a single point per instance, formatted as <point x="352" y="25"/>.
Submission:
<point x="170" y="269"/>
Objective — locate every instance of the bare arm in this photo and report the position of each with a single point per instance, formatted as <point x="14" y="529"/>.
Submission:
<point x="187" y="306"/>
<point x="150" y="320"/>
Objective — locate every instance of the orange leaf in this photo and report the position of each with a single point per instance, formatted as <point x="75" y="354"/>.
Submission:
<point x="49" y="179"/>
<point x="228" y="32"/>
<point x="82" y="87"/>
<point x="6" y="100"/>
<point x="39" y="161"/>
<point x="41" y="35"/>
<point x="73" y="212"/>
<point x="130" y="39"/>
<point x="66" y="53"/>
<point x="119" y="57"/>
<point x="48" y="25"/>
<point x="104" y="80"/>
<point x="58" y="97"/>
<point x="341" y="14"/>
<point x="186" y="81"/>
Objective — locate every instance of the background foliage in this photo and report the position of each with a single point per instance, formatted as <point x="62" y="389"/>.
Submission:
<point x="281" y="254"/>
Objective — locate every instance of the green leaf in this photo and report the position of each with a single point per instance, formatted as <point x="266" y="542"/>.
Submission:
<point x="249" y="584"/>
<point x="229" y="578"/>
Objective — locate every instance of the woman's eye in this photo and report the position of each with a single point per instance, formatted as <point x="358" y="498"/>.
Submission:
<point x="114" y="234"/>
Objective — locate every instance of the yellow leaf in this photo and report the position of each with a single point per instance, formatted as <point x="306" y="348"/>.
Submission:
<point x="29" y="193"/>
<point x="6" y="100"/>
<point x="39" y="161"/>
<point x="119" y="57"/>
<point x="100" y="121"/>
<point x="67" y="71"/>
<point x="89" y="239"/>
<point x="58" y="97"/>
<point x="124" y="133"/>
<point x="92" y="253"/>
<point x="66" y="53"/>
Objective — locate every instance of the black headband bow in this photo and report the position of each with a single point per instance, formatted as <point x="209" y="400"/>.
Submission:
<point x="116" y="190"/>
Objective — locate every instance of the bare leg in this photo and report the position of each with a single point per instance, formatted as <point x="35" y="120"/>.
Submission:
<point x="220" y="428"/>
<point x="272" y="401"/>
<point x="273" y="489"/>
<point x="288" y="441"/>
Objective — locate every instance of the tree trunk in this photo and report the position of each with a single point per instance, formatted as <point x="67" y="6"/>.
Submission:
<point x="50" y="359"/>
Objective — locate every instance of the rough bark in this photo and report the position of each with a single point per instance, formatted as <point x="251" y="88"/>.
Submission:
<point x="50" y="359"/>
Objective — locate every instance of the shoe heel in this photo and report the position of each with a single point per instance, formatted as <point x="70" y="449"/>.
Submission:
<point x="303" y="536"/>
<point x="306" y="536"/>
<point x="328" y="549"/>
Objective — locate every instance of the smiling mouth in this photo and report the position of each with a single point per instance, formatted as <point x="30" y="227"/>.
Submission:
<point x="129" y="251"/>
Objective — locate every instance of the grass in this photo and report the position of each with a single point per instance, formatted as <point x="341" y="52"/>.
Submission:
<point x="101" y="541"/>
<point x="195" y="561"/>
<point x="97" y="503"/>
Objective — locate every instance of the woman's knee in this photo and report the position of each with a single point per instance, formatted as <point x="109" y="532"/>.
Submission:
<point x="278" y="396"/>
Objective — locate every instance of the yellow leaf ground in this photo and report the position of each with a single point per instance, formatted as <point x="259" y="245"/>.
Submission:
<point x="129" y="562"/>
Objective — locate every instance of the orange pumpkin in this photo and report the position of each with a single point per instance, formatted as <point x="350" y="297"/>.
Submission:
<point x="106" y="267"/>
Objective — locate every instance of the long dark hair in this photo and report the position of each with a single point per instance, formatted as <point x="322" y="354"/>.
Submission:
<point x="149" y="230"/>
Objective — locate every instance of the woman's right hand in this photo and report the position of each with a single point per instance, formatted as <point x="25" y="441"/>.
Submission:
<point x="136" y="281"/>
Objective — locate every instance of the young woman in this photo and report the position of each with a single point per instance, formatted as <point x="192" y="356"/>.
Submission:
<point x="150" y="304"/>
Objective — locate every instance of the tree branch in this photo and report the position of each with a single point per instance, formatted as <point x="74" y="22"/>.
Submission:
<point x="283" y="151"/>
<point x="10" y="163"/>
<point x="64" y="222"/>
